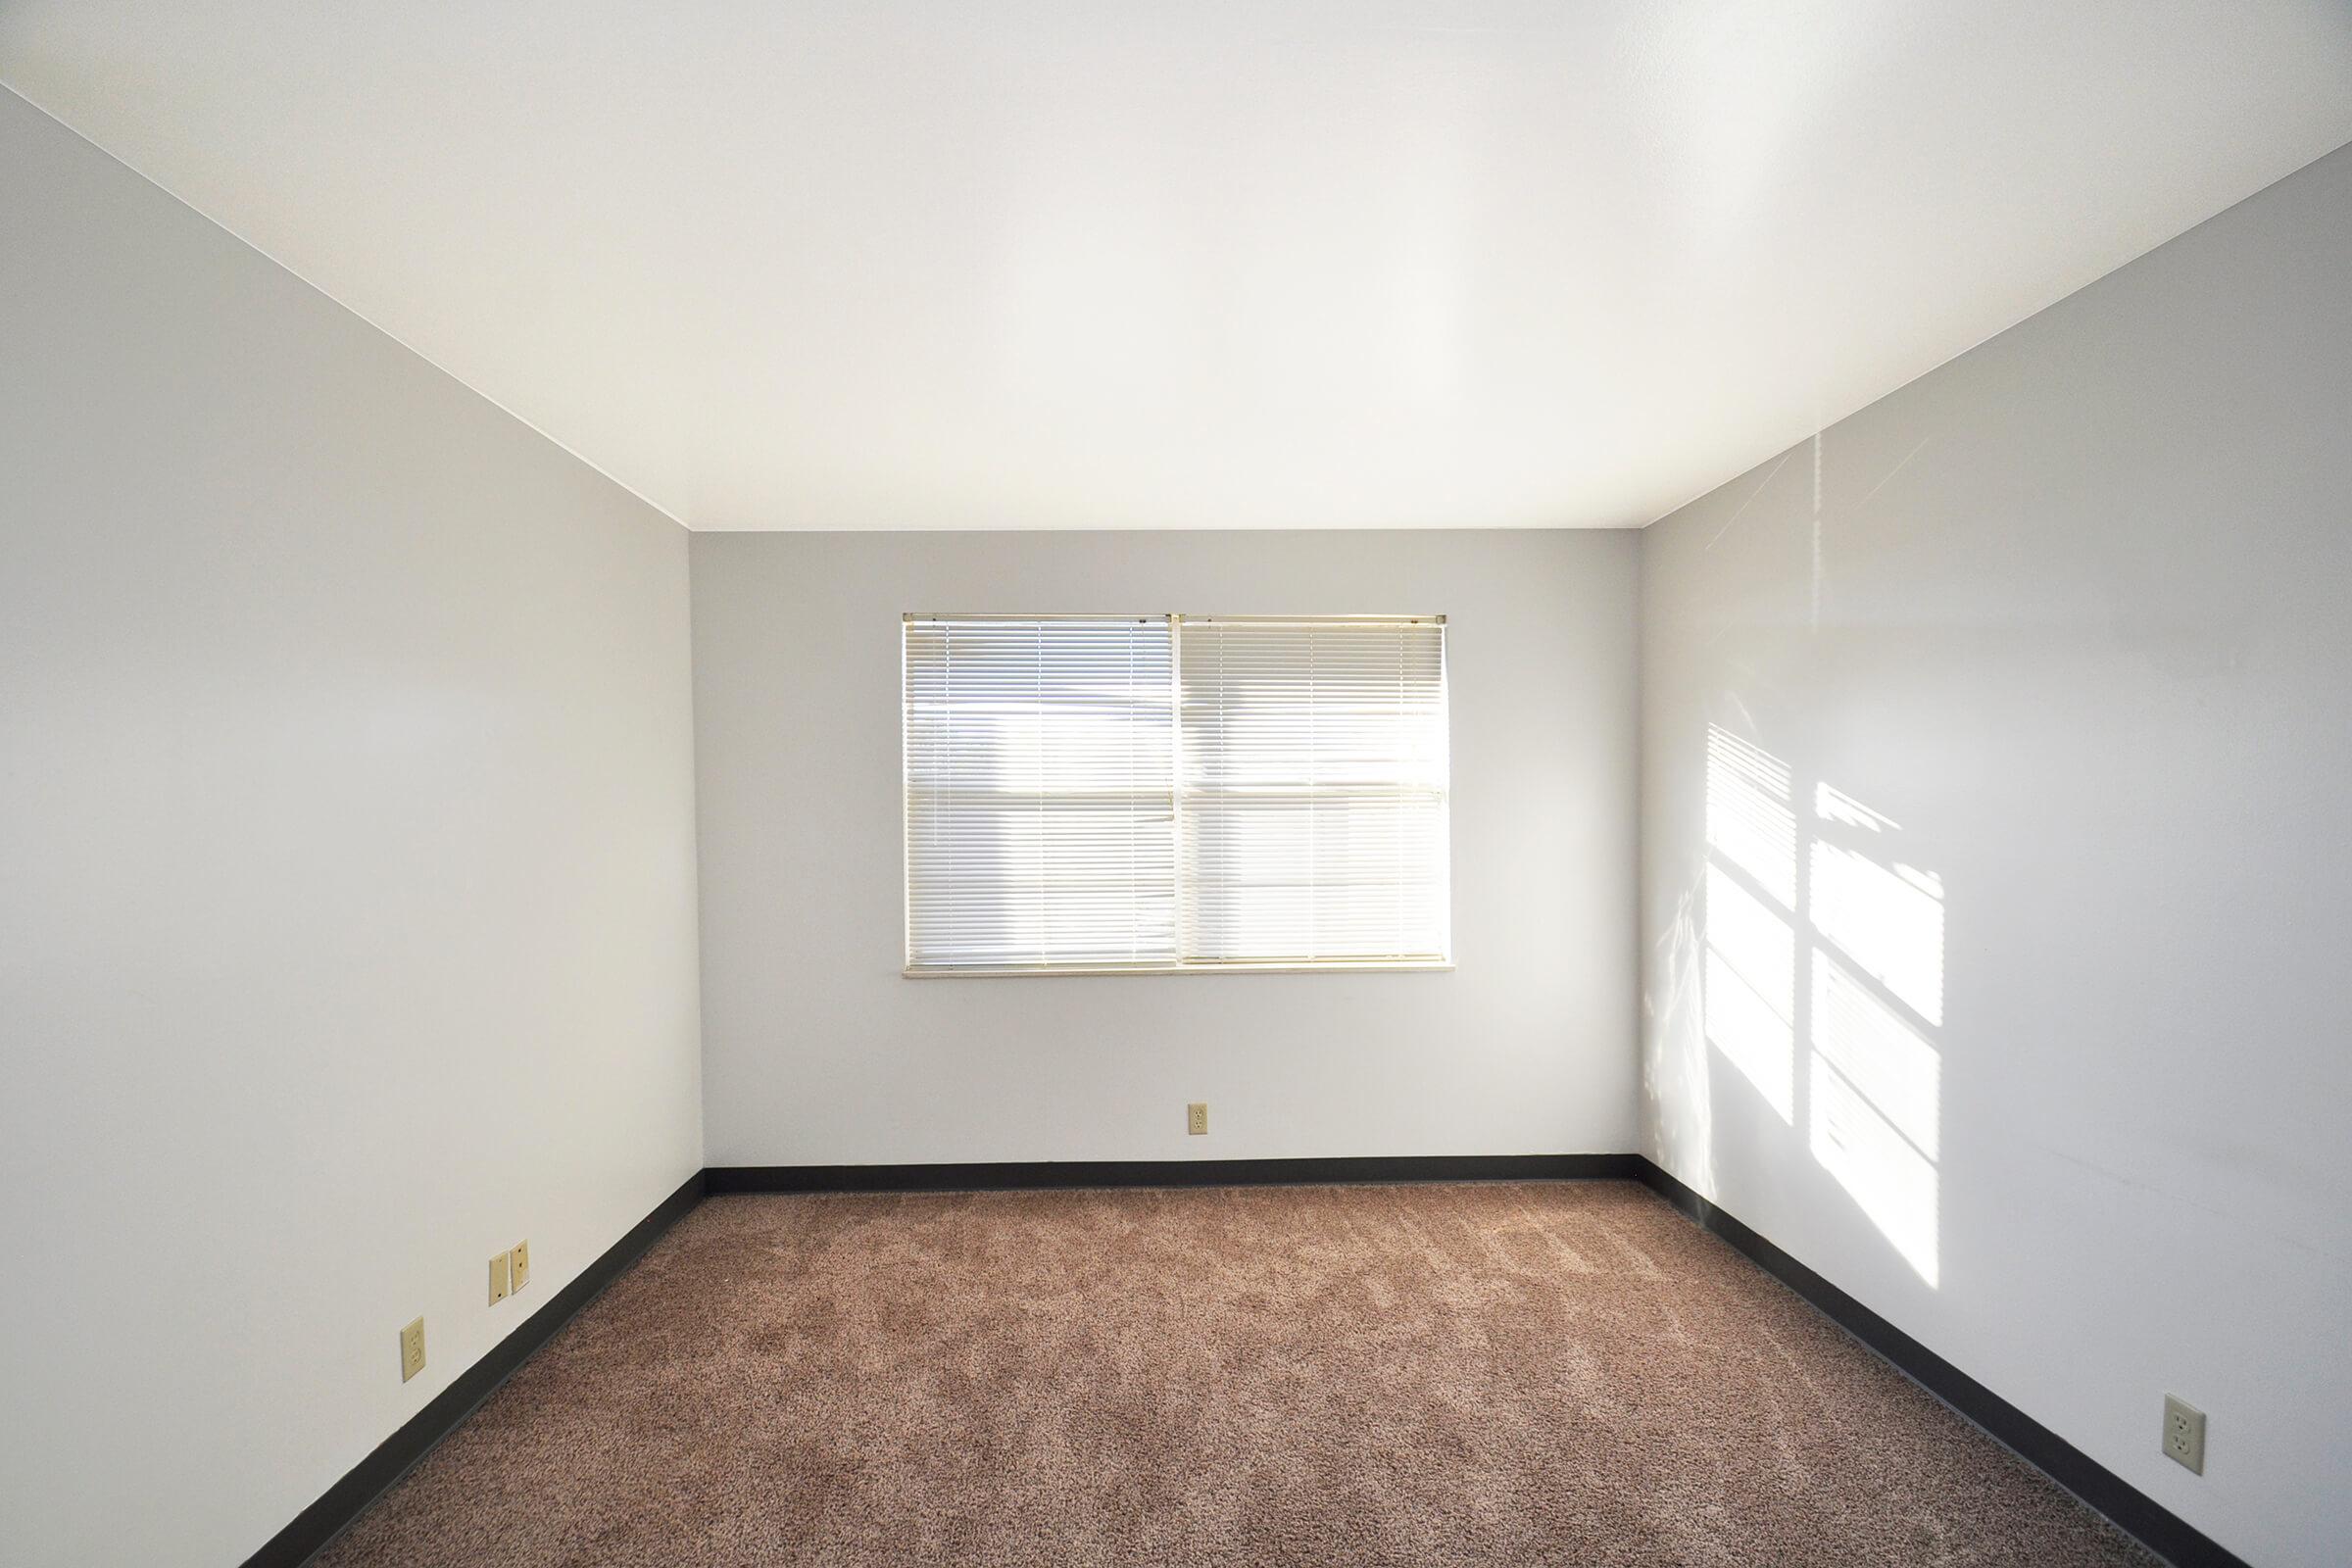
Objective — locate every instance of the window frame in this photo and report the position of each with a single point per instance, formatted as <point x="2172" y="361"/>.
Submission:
<point x="1175" y="621"/>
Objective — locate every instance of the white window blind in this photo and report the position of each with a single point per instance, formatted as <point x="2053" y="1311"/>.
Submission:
<point x="1038" y="794"/>
<point x="1312" y="799"/>
<point x="1174" y="793"/>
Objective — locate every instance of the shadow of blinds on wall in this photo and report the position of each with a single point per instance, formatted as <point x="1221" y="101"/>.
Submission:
<point x="1312" y="803"/>
<point x="1039" y="776"/>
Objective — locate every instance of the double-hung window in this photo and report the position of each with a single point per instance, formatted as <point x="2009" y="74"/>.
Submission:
<point x="1174" y="793"/>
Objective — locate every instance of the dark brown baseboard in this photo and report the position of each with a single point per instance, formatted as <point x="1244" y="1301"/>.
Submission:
<point x="1000" y="1176"/>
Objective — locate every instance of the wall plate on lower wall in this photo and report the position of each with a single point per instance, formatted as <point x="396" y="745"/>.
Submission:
<point x="2183" y="1434"/>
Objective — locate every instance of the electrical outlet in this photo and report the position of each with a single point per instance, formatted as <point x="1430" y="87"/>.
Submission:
<point x="1196" y="1119"/>
<point x="2183" y="1434"/>
<point x="412" y="1350"/>
<point x="499" y="1280"/>
<point x="523" y="1263"/>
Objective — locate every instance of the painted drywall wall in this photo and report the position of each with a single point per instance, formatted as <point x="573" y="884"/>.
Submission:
<point x="346" y="871"/>
<point x="1996" y="854"/>
<point x="817" y="1051"/>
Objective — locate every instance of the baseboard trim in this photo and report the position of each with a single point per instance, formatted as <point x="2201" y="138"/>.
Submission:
<point x="1011" y="1175"/>
<point x="397" y="1454"/>
<point x="2129" y="1509"/>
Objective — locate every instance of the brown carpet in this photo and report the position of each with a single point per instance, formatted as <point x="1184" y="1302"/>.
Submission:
<point x="1529" y="1373"/>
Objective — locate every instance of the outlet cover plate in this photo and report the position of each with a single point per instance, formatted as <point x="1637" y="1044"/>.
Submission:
<point x="2183" y="1434"/>
<point x="499" y="1280"/>
<point x="523" y="1263"/>
<point x="412" y="1350"/>
<point x="1196" y="1119"/>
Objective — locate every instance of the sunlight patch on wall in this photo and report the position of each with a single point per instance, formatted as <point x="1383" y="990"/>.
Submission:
<point x="1891" y="1181"/>
<point x="1820" y="981"/>
<point x="1750" y="997"/>
<point x="1882" y="1058"/>
<point x="1835" y="806"/>
<point x="1750" y="821"/>
<point x="1750" y="984"/>
<point x="1829" y="938"/>
<point x="1874" y="1079"/>
<point x="1887" y="919"/>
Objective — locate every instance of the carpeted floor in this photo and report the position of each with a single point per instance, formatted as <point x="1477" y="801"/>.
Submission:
<point x="1546" y="1373"/>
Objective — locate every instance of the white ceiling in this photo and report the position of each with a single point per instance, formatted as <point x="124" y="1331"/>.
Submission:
<point x="881" y="263"/>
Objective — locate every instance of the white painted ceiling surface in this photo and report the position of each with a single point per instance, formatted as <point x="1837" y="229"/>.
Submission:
<point x="880" y="264"/>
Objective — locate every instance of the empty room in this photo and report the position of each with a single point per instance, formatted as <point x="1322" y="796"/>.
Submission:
<point x="1394" y="784"/>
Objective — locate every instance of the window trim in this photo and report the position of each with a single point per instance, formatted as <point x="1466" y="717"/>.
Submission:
<point x="1176" y="621"/>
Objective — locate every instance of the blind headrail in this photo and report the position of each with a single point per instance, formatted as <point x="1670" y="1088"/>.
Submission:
<point x="937" y="616"/>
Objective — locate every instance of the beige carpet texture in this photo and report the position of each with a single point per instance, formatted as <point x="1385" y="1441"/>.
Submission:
<point x="1563" y="1373"/>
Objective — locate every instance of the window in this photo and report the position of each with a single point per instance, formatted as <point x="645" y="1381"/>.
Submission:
<point x="1174" y="793"/>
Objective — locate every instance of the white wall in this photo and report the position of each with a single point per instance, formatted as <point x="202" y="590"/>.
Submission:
<point x="2069" y="614"/>
<point x="817" y="1051"/>
<point x="346" y="871"/>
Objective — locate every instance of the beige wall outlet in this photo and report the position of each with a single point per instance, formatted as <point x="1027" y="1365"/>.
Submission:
<point x="2183" y="1432"/>
<point x="412" y="1350"/>
<point x="499" y="1279"/>
<point x="523" y="1263"/>
<point x="1196" y="1119"/>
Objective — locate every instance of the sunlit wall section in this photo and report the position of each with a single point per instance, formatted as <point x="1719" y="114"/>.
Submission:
<point x="1886" y="916"/>
<point x="1830" y="936"/>
<point x="1751" y="989"/>
<point x="1750" y="975"/>
<point x="1751" y="824"/>
<point x="1888" y="1176"/>
<point x="1875" y="1076"/>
